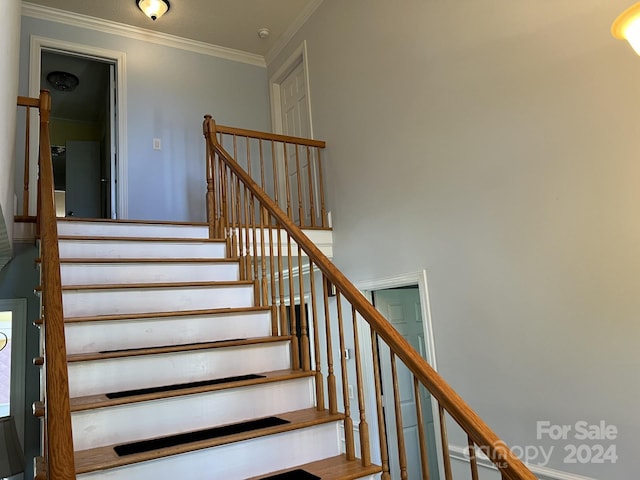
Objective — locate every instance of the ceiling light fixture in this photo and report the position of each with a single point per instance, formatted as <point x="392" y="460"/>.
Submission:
<point x="153" y="9"/>
<point x="63" y="81"/>
<point x="627" y="27"/>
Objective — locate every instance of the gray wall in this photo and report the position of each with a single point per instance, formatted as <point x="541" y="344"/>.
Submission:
<point x="168" y="91"/>
<point x="495" y="144"/>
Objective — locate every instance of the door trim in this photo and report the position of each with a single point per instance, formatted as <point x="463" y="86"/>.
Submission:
<point x="364" y="337"/>
<point x="38" y="44"/>
<point x="275" y="81"/>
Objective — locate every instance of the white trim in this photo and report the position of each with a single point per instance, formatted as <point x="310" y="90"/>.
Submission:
<point x="364" y="337"/>
<point x="543" y="473"/>
<point x="18" y="309"/>
<point x="299" y="55"/>
<point x="119" y="58"/>
<point x="297" y="24"/>
<point x="137" y="33"/>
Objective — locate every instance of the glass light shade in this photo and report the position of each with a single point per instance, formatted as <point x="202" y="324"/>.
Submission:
<point x="627" y="27"/>
<point x="153" y="9"/>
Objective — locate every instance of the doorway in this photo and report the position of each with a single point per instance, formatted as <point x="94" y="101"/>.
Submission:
<point x="83" y="136"/>
<point x="105" y="195"/>
<point x="404" y="301"/>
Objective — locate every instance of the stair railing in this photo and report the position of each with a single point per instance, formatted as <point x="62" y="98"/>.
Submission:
<point x="286" y="265"/>
<point x="288" y="168"/>
<point x="58" y="441"/>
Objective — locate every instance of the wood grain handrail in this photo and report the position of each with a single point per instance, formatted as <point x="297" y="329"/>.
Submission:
<point x="59" y="442"/>
<point x="270" y="136"/>
<point x="509" y="465"/>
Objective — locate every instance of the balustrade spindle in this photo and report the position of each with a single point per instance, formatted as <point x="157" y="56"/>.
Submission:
<point x="304" y="337"/>
<point x="424" y="459"/>
<point x="363" y="427"/>
<point x="316" y="339"/>
<point x="272" y="277"/>
<point x="293" y="324"/>
<point x="473" y="461"/>
<point x="331" y="378"/>
<point x="310" y="169"/>
<point x="287" y="182"/>
<point x="445" y="444"/>
<point x="323" y="210"/>
<point x="382" y="429"/>
<point x="402" y="452"/>
<point x="25" y="193"/>
<point x="299" y="182"/>
<point x="348" y="422"/>
<point x="283" y="305"/>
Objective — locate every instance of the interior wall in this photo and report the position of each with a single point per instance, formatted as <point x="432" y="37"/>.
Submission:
<point x="9" y="38"/>
<point x="495" y="144"/>
<point x="169" y="91"/>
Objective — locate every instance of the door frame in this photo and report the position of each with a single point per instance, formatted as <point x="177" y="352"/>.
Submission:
<point x="364" y="337"/>
<point x="37" y="45"/>
<point x="275" y="82"/>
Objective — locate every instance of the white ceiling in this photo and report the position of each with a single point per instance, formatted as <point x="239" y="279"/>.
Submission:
<point x="227" y="23"/>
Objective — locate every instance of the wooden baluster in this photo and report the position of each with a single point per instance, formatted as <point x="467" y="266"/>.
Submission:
<point x="331" y="378"/>
<point x="240" y="240"/>
<point x="363" y="427"/>
<point x="287" y="182"/>
<point x="312" y="207"/>
<point x="208" y="128"/>
<point x="248" y="201"/>
<point x="282" y="301"/>
<point x="424" y="457"/>
<point x="295" y="344"/>
<point x="348" y="422"/>
<point x="223" y="202"/>
<point x="382" y="429"/>
<point x="299" y="180"/>
<point x="272" y="272"/>
<point x="25" y="193"/>
<point x="402" y="453"/>
<point x="448" y="475"/>
<point x="274" y="162"/>
<point x="233" y="214"/>
<point x="473" y="461"/>
<point x="263" y="259"/>
<point x="262" y="183"/>
<point x="304" y="336"/>
<point x="316" y="338"/>
<point x="323" y="210"/>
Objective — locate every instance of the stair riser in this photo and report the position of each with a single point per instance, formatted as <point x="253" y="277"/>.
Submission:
<point x="140" y="249"/>
<point x="87" y="337"/>
<point x="119" y="374"/>
<point x="78" y="303"/>
<point x="138" y="421"/>
<point x="235" y="461"/>
<point x="105" y="229"/>
<point x="121" y="273"/>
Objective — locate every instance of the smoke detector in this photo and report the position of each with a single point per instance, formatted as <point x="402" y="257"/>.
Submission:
<point x="263" y="32"/>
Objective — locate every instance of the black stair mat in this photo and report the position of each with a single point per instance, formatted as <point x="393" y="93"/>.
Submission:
<point x="298" y="474"/>
<point x="199" y="435"/>
<point x="182" y="345"/>
<point x="181" y="386"/>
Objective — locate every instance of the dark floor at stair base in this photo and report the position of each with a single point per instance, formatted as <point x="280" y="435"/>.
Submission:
<point x="293" y="475"/>
<point x="181" y="386"/>
<point x="199" y="435"/>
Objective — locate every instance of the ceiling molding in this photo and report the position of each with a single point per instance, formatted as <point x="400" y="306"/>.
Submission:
<point x="143" y="34"/>
<point x="296" y="25"/>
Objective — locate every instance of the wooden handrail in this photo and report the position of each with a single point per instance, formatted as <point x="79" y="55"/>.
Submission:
<point x="59" y="442"/>
<point x="269" y="136"/>
<point x="476" y="428"/>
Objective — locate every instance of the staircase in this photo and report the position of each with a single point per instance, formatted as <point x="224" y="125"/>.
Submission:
<point x="174" y="372"/>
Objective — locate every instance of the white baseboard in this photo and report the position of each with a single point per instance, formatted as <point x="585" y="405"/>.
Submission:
<point x="24" y="232"/>
<point x="543" y="473"/>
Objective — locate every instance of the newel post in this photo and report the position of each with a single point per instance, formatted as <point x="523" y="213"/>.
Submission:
<point x="209" y="132"/>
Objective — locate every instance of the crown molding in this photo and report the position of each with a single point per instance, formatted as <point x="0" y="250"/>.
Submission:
<point x="137" y="33"/>
<point x="296" y="25"/>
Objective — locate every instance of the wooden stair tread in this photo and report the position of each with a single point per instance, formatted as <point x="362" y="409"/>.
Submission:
<point x="141" y="239"/>
<point x="84" y="357"/>
<point x="120" y="286"/>
<point x="179" y="313"/>
<point x="99" y="401"/>
<point x="333" y="468"/>
<point x="105" y="457"/>
<point x="148" y="260"/>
